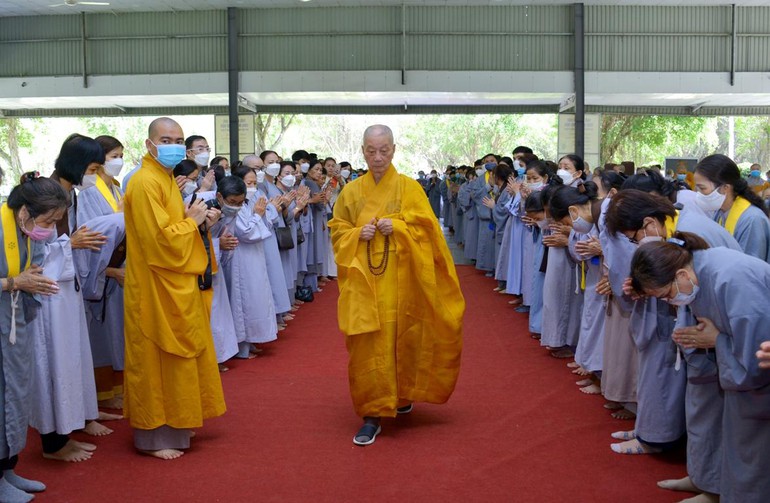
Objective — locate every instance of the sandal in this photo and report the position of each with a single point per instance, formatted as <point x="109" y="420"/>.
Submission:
<point x="367" y="434"/>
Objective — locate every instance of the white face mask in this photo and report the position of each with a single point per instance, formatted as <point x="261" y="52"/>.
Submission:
<point x="711" y="202"/>
<point x="113" y="166"/>
<point x="684" y="299"/>
<point x="305" y="167"/>
<point x="288" y="181"/>
<point x="479" y="171"/>
<point x="88" y="181"/>
<point x="273" y="169"/>
<point x="650" y="239"/>
<point x="250" y="192"/>
<point x="189" y="188"/>
<point x="565" y="175"/>
<point x="535" y="185"/>
<point x="260" y="176"/>
<point x="202" y="159"/>
<point x="345" y="173"/>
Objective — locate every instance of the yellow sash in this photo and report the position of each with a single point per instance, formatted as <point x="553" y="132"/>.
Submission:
<point x="107" y="194"/>
<point x="671" y="224"/>
<point x="11" y="243"/>
<point x="739" y="206"/>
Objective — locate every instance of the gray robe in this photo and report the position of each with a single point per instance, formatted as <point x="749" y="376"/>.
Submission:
<point x="17" y="361"/>
<point x="485" y="248"/>
<point x="248" y="286"/>
<point x="458" y="219"/>
<point x="289" y="257"/>
<point x="317" y="239"/>
<point x="63" y="387"/>
<point x="275" y="274"/>
<point x="752" y="231"/>
<point x="433" y="189"/>
<point x="562" y="307"/>
<point x="502" y="217"/>
<point x="515" y="259"/>
<point x="470" y="221"/>
<point x="222" y="323"/>
<point x="590" y="348"/>
<point x="447" y="212"/>
<point x="660" y="414"/>
<point x="103" y="296"/>
<point x="727" y="296"/>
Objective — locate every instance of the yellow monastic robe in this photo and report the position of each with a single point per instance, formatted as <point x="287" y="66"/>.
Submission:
<point x="171" y="373"/>
<point x="404" y="327"/>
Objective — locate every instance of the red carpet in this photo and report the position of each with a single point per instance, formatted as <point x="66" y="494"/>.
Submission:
<point x="516" y="429"/>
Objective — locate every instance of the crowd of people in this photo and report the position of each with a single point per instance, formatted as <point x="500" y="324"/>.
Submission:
<point x="654" y="285"/>
<point x="96" y="280"/>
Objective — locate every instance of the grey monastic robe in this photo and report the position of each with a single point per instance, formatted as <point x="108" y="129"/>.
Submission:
<point x="727" y="296"/>
<point x="470" y="220"/>
<point x="447" y="212"/>
<point x="17" y="361"/>
<point x="752" y="231"/>
<point x="502" y="217"/>
<point x="485" y="247"/>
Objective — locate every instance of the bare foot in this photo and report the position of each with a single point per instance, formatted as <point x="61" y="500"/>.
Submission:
<point x="702" y="498"/>
<point x="584" y="382"/>
<point x="255" y="350"/>
<point x="294" y="309"/>
<point x="112" y="403"/>
<point x="70" y="453"/>
<point x="563" y="353"/>
<point x="287" y="317"/>
<point x="623" y="414"/>
<point x="223" y="368"/>
<point x="573" y="365"/>
<point x="164" y="453"/>
<point x="83" y="445"/>
<point x="591" y="389"/>
<point x="633" y="447"/>
<point x="96" y="430"/>
<point x="613" y="406"/>
<point x="581" y="371"/>
<point x="103" y="416"/>
<point x="625" y="435"/>
<point x="684" y="484"/>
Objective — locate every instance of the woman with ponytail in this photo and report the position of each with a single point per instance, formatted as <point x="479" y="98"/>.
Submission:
<point x="574" y="207"/>
<point x="727" y="328"/>
<point x="724" y="195"/>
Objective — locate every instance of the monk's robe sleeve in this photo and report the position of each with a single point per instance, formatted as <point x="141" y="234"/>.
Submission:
<point x="354" y="316"/>
<point x="171" y="306"/>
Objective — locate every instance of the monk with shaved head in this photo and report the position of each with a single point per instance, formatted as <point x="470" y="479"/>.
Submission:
<point x="400" y="304"/>
<point x="171" y="376"/>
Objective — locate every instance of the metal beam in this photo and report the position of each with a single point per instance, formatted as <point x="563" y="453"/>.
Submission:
<point x="232" y="79"/>
<point x="580" y="91"/>
<point x="83" y="44"/>
<point x="732" y="51"/>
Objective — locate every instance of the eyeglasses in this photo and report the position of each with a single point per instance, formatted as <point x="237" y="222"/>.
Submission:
<point x="200" y="149"/>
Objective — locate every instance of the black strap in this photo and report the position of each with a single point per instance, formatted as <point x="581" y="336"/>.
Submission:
<point x="204" y="281"/>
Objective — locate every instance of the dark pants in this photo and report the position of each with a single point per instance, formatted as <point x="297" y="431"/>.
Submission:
<point x="53" y="442"/>
<point x="8" y="464"/>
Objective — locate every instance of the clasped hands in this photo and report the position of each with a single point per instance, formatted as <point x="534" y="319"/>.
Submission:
<point x="384" y="225"/>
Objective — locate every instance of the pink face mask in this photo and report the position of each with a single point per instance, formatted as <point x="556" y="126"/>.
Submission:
<point x="38" y="233"/>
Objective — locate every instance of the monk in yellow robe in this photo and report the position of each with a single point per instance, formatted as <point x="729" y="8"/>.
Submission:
<point x="171" y="377"/>
<point x="400" y="303"/>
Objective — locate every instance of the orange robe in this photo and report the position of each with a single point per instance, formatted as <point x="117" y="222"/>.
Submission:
<point x="171" y="373"/>
<point x="404" y="327"/>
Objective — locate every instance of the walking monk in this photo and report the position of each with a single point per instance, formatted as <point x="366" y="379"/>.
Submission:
<point x="171" y="377"/>
<point x="400" y="302"/>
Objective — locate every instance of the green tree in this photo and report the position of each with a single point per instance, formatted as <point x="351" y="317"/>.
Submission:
<point x="269" y="130"/>
<point x="13" y="137"/>
<point x="130" y="131"/>
<point x="752" y="140"/>
<point x="649" y="139"/>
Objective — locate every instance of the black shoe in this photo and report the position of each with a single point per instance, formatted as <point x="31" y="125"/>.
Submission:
<point x="406" y="409"/>
<point x="522" y="309"/>
<point x="367" y="434"/>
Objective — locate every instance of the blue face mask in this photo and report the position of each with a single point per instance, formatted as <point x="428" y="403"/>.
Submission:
<point x="353" y="176"/>
<point x="756" y="173"/>
<point x="170" y="155"/>
<point x="681" y="178"/>
<point x="521" y="171"/>
<point x="489" y="166"/>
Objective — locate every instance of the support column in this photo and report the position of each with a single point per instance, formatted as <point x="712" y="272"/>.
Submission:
<point x="232" y="80"/>
<point x="580" y="111"/>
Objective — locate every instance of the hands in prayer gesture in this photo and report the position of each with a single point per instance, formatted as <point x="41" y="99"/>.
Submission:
<point x="260" y="206"/>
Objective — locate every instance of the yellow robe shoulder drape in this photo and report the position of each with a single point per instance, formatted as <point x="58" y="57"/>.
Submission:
<point x="420" y="289"/>
<point x="171" y="375"/>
